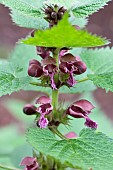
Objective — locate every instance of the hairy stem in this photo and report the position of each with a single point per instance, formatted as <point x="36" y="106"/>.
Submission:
<point x="55" y="99"/>
<point x="55" y="131"/>
<point x="55" y="92"/>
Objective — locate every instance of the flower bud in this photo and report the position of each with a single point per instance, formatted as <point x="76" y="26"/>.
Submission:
<point x="33" y="61"/>
<point x="54" y="15"/>
<point x="35" y="69"/>
<point x="29" y="109"/>
<point x="79" y="67"/>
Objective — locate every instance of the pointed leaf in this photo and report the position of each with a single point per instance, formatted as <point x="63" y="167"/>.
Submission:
<point x="84" y="11"/>
<point x="89" y="150"/>
<point x="28" y="21"/>
<point x="25" y="13"/>
<point x="64" y="35"/>
<point x="9" y="83"/>
<point x="100" y="62"/>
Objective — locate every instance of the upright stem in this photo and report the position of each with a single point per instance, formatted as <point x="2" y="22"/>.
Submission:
<point x="55" y="99"/>
<point x="55" y="92"/>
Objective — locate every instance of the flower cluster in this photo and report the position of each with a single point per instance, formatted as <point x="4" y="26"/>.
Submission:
<point x="69" y="66"/>
<point x="81" y="109"/>
<point x="44" y="109"/>
<point x="54" y="14"/>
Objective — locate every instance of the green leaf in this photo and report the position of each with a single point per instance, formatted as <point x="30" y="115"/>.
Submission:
<point x="25" y="6"/>
<point x="81" y="22"/>
<point x="64" y="35"/>
<point x="28" y="21"/>
<point x="12" y="71"/>
<point x="25" y="13"/>
<point x="104" y="81"/>
<point x="72" y="4"/>
<point x="100" y="62"/>
<point x="2" y="167"/>
<point x="9" y="83"/>
<point x="89" y="150"/>
<point x="84" y="11"/>
<point x="22" y="6"/>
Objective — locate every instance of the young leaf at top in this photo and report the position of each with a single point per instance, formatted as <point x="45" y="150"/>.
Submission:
<point x="100" y="62"/>
<point x="86" y="10"/>
<point x="89" y="150"/>
<point x="25" y="13"/>
<point x="64" y="35"/>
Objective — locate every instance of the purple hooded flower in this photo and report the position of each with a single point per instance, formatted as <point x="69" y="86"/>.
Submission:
<point x="43" y="100"/>
<point x="43" y="51"/>
<point x="50" y="69"/>
<point x="30" y="163"/>
<point x="70" y="65"/>
<point x="81" y="109"/>
<point x="29" y="109"/>
<point x="35" y="69"/>
<point x="44" y="109"/>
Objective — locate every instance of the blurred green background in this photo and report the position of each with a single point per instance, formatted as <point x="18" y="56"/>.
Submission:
<point x="13" y="123"/>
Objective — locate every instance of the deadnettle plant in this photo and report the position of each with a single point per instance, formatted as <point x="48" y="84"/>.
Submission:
<point x="59" y="62"/>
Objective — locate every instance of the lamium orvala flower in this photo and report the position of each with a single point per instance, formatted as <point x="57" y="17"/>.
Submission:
<point x="44" y="109"/>
<point x="30" y="163"/>
<point x="81" y="109"/>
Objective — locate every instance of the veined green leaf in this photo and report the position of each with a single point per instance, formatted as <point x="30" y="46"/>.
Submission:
<point x="27" y="13"/>
<point x="86" y="10"/>
<point x="89" y="150"/>
<point x="72" y="4"/>
<point x="9" y="83"/>
<point x="28" y="21"/>
<point x="100" y="62"/>
<point x="64" y="35"/>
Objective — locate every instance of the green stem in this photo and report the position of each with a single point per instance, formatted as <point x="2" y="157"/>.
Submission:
<point x="8" y="168"/>
<point x="55" y="131"/>
<point x="55" y="99"/>
<point x="82" y="80"/>
<point x="38" y="84"/>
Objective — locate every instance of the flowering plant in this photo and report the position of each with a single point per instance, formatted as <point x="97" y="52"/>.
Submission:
<point x="55" y="58"/>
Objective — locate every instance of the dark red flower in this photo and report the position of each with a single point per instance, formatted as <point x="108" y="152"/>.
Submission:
<point x="29" y="109"/>
<point x="35" y="69"/>
<point x="81" y="109"/>
<point x="44" y="109"/>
